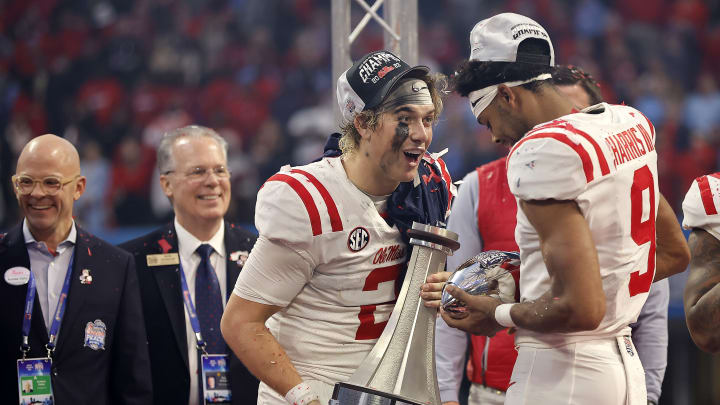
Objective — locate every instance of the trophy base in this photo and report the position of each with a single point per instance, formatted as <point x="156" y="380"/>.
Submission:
<point x="348" y="394"/>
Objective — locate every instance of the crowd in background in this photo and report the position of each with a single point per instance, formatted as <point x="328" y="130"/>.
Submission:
<point x="113" y="75"/>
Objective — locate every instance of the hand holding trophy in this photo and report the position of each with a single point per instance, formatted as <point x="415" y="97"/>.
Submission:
<point x="492" y="273"/>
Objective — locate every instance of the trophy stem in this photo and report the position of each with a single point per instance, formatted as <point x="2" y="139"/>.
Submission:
<point x="401" y="365"/>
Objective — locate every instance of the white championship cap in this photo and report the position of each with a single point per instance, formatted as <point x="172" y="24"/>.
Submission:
<point x="496" y="39"/>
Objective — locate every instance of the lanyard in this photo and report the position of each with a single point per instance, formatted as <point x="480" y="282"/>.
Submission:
<point x="191" y="310"/>
<point x="57" y="318"/>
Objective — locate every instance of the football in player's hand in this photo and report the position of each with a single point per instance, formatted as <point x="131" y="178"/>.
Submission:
<point x="492" y="273"/>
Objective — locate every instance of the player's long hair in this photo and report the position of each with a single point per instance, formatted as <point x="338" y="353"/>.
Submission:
<point x="350" y="141"/>
<point x="475" y="75"/>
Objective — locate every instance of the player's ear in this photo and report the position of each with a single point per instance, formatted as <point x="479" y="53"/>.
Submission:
<point x="505" y="93"/>
<point x="508" y="95"/>
<point x="362" y="127"/>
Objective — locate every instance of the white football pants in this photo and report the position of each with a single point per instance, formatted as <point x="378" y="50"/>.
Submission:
<point x="590" y="372"/>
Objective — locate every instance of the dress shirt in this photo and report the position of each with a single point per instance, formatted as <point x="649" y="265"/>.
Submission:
<point x="49" y="269"/>
<point x="190" y="259"/>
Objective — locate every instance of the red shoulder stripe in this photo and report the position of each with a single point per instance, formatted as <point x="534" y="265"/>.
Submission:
<point x="306" y="199"/>
<point x="582" y="153"/>
<point x="652" y="128"/>
<point x="604" y="168"/>
<point x="562" y="124"/>
<point x="706" y="195"/>
<point x="335" y="221"/>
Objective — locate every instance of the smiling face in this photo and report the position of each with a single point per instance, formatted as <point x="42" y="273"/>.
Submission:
<point x="394" y="148"/>
<point x="49" y="216"/>
<point x="198" y="199"/>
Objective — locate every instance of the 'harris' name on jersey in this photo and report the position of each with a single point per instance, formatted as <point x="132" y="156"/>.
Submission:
<point x="627" y="145"/>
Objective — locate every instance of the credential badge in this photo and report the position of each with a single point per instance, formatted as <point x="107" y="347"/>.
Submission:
<point x="162" y="259"/>
<point x="95" y="335"/>
<point x="358" y="239"/>
<point x="17" y="276"/>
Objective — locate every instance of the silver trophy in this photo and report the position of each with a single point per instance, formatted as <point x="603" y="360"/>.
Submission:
<point x="400" y="369"/>
<point x="489" y="273"/>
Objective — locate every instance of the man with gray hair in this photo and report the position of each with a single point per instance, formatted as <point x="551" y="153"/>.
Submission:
<point x="185" y="269"/>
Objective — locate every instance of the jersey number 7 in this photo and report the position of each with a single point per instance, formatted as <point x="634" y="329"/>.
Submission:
<point x="642" y="231"/>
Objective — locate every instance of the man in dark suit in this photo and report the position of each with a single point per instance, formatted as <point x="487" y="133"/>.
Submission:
<point x="203" y="248"/>
<point x="101" y="353"/>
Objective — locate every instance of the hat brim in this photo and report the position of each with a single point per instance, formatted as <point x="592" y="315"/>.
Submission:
<point x="418" y="72"/>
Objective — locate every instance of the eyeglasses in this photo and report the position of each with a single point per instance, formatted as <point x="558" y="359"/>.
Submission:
<point x="50" y="185"/>
<point x="201" y="173"/>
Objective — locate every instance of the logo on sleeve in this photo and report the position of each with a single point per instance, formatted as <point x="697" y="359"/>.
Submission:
<point x="358" y="239"/>
<point x="628" y="346"/>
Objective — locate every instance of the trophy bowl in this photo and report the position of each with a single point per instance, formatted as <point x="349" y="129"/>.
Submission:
<point x="492" y="273"/>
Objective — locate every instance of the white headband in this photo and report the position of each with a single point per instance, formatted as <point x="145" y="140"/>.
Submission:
<point x="480" y="99"/>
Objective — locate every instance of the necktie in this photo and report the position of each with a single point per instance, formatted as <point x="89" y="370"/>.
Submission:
<point x="208" y="302"/>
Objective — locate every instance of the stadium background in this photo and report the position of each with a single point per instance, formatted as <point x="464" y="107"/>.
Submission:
<point x="113" y="75"/>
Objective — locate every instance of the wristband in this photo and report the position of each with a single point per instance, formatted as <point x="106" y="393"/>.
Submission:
<point x="502" y="315"/>
<point x="301" y="394"/>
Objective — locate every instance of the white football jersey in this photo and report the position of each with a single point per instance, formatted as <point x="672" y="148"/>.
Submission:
<point x="604" y="159"/>
<point x="341" y="288"/>
<point x="701" y="205"/>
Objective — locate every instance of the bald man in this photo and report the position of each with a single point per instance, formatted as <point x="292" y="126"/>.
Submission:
<point x="84" y="330"/>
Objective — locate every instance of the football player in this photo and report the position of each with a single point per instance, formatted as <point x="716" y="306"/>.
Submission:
<point x="486" y="198"/>
<point x="592" y="229"/>
<point x="332" y="249"/>
<point x="702" y="294"/>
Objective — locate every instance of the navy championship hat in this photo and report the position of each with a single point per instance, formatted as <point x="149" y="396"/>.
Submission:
<point x="370" y="79"/>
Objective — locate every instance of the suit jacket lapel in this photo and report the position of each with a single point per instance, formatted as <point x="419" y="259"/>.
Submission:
<point x="14" y="254"/>
<point x="78" y="293"/>
<point x="168" y="281"/>
<point x="232" y="268"/>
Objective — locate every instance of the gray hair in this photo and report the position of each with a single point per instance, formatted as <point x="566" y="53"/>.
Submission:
<point x="165" y="161"/>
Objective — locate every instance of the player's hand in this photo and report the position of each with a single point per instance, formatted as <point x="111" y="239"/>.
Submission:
<point x="314" y="402"/>
<point x="451" y="403"/>
<point x="479" y="319"/>
<point x="431" y="291"/>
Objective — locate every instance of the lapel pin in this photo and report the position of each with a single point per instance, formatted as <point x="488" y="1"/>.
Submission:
<point x="239" y="257"/>
<point x="85" y="277"/>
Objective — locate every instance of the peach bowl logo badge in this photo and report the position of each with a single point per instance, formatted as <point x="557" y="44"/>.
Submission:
<point x="95" y="335"/>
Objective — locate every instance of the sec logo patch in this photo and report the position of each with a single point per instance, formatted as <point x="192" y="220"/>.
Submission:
<point x="358" y="239"/>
